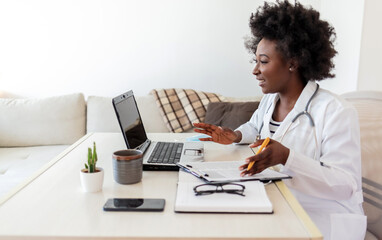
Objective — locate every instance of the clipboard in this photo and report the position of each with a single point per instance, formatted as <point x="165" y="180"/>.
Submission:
<point x="227" y="171"/>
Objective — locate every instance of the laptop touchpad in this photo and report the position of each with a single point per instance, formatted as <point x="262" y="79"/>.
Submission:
<point x="193" y="152"/>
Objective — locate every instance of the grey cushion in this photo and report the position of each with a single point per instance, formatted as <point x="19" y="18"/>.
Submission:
<point x="230" y="114"/>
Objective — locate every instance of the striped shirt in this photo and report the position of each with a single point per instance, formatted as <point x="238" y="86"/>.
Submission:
<point x="273" y="126"/>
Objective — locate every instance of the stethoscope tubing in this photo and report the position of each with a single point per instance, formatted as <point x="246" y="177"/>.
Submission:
<point x="306" y="113"/>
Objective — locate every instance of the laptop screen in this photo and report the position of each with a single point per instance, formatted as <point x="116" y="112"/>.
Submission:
<point x="130" y="120"/>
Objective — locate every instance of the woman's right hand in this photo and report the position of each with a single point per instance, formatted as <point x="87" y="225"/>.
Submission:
<point x="217" y="134"/>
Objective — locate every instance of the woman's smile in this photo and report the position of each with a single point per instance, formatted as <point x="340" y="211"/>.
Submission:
<point x="261" y="82"/>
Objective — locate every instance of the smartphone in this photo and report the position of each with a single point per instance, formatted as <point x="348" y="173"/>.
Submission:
<point x="134" y="204"/>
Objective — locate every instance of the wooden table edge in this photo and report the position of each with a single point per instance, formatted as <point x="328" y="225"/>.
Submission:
<point x="309" y="225"/>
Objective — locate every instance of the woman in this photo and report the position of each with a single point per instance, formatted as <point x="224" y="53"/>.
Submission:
<point x="319" y="148"/>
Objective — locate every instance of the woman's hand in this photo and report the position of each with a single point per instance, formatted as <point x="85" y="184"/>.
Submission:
<point x="217" y="134"/>
<point x="275" y="153"/>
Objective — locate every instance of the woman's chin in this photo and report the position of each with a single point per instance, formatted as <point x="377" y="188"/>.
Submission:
<point x="264" y="90"/>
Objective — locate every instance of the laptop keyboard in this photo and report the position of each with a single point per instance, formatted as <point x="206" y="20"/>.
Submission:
<point x="166" y="152"/>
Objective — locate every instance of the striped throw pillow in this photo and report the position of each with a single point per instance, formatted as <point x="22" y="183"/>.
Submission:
<point x="181" y="107"/>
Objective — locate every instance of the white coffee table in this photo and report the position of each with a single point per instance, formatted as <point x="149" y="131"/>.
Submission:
<point x="54" y="206"/>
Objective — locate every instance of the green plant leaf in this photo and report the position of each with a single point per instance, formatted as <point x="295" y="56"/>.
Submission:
<point x="95" y="153"/>
<point x="92" y="159"/>
<point x="89" y="156"/>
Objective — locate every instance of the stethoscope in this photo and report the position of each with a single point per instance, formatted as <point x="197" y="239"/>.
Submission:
<point x="306" y="113"/>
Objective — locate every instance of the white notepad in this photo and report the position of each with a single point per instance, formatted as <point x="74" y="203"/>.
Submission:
<point x="255" y="200"/>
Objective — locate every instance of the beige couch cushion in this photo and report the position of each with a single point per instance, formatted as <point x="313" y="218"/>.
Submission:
<point x="151" y="117"/>
<point x="243" y="99"/>
<point x="101" y="116"/>
<point x="42" y="121"/>
<point x="369" y="108"/>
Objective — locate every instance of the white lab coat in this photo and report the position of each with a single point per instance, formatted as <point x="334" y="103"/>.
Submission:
<point x="330" y="194"/>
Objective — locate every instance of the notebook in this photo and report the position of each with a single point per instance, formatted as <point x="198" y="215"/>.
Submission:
<point x="255" y="200"/>
<point x="157" y="155"/>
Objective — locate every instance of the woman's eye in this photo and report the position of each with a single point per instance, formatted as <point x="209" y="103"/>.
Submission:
<point x="262" y="62"/>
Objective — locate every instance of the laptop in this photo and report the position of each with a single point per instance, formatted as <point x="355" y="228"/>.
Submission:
<point x="156" y="155"/>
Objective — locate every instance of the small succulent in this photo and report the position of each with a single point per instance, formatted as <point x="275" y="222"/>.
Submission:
<point x="92" y="159"/>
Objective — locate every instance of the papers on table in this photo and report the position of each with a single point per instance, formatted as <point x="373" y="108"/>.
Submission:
<point x="227" y="171"/>
<point x="254" y="201"/>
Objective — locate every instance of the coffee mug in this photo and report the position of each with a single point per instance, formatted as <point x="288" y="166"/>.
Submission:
<point x="127" y="166"/>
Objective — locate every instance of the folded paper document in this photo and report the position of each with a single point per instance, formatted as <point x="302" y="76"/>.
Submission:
<point x="227" y="172"/>
<point x="254" y="201"/>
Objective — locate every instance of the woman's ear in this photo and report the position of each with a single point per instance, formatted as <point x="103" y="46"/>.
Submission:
<point x="293" y="65"/>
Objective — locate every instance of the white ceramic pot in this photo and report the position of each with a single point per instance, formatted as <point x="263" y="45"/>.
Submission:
<point x="92" y="182"/>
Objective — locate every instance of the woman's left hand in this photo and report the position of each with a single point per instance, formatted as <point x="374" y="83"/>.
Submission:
<point x="275" y="153"/>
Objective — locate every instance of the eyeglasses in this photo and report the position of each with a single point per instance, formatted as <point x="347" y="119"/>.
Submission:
<point x="210" y="188"/>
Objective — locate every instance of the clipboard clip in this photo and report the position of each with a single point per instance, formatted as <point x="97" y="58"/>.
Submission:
<point x="188" y="168"/>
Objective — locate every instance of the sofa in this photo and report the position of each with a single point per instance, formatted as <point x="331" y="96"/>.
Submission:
<point x="369" y="107"/>
<point x="33" y="131"/>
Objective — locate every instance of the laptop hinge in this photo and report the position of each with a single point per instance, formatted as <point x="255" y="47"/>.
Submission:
<point x="144" y="146"/>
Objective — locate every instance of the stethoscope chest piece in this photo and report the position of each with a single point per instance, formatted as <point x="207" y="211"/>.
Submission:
<point x="258" y="137"/>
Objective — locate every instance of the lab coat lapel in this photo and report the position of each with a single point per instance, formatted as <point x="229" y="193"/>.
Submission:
<point x="299" y="107"/>
<point x="286" y="125"/>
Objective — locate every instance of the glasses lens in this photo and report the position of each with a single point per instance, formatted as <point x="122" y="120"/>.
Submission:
<point x="232" y="187"/>
<point x="206" y="187"/>
<point x="219" y="188"/>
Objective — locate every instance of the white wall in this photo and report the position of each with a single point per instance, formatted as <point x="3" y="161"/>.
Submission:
<point x="370" y="69"/>
<point x="346" y="17"/>
<point x="105" y="47"/>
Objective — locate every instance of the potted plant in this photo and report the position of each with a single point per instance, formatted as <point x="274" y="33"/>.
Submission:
<point x="91" y="176"/>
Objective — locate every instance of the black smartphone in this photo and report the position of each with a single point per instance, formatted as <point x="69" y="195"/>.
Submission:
<point x="134" y="204"/>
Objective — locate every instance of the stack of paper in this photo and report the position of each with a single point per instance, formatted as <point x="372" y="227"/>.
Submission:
<point x="254" y="201"/>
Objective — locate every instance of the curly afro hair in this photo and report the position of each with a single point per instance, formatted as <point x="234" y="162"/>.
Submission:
<point x="299" y="35"/>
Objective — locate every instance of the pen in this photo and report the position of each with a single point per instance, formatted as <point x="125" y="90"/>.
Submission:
<point x="265" y="143"/>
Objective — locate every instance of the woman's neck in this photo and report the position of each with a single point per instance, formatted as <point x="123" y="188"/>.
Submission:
<point x="287" y="100"/>
<point x="289" y="97"/>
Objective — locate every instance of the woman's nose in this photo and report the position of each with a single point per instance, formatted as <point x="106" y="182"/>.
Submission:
<point x="256" y="70"/>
